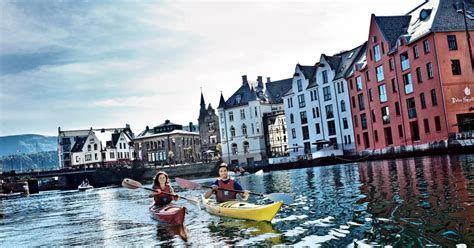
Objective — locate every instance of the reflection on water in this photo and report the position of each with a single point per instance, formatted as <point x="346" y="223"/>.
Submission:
<point x="407" y="202"/>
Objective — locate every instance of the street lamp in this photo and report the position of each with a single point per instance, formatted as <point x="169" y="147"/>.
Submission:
<point x="460" y="7"/>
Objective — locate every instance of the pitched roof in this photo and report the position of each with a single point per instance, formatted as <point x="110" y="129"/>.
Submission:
<point x="333" y="61"/>
<point x="347" y="60"/>
<point x="392" y="27"/>
<point x="307" y="70"/>
<point x="221" y="102"/>
<point x="241" y="97"/>
<point x="79" y="144"/>
<point x="448" y="19"/>
<point x="277" y="89"/>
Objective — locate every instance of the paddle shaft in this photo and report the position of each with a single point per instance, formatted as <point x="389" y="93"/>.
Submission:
<point x="233" y="190"/>
<point x="166" y="193"/>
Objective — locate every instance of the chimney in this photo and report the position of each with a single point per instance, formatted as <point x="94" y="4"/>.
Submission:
<point x="244" y="80"/>
<point x="259" y="79"/>
<point x="268" y="80"/>
<point x="191" y="127"/>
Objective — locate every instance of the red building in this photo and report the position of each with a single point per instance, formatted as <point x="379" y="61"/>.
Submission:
<point x="413" y="86"/>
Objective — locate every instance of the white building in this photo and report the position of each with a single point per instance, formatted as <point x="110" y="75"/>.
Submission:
<point x="317" y="107"/>
<point x="102" y="148"/>
<point x="241" y="120"/>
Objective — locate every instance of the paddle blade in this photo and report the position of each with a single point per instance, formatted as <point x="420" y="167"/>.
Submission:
<point x="286" y="199"/>
<point x="259" y="173"/>
<point x="131" y="184"/>
<point x="186" y="184"/>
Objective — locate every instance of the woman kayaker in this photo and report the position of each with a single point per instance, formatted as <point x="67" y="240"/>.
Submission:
<point x="161" y="183"/>
<point x="225" y="182"/>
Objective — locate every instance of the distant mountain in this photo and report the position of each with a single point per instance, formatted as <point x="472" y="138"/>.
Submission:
<point x="27" y="143"/>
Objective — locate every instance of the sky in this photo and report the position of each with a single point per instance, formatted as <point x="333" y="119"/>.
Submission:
<point x="102" y="64"/>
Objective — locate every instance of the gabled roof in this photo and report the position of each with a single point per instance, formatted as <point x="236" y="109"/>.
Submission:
<point x="277" y="89"/>
<point x="245" y="93"/>
<point x="392" y="27"/>
<point x="333" y="61"/>
<point x="79" y="144"/>
<point x="448" y="19"/>
<point x="347" y="60"/>
<point x="307" y="70"/>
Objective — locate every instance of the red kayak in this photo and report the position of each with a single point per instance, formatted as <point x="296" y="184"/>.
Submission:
<point x="170" y="214"/>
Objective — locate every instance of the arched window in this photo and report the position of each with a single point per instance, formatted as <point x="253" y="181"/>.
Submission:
<point x="343" y="106"/>
<point x="234" y="149"/>
<point x="292" y="118"/>
<point x="232" y="131"/>
<point x="244" y="129"/>
<point x="246" y="147"/>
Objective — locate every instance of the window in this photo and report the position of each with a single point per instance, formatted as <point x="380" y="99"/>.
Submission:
<point x="237" y="99"/>
<point x="356" y="122"/>
<point x="437" y="123"/>
<point x="408" y="83"/>
<point x="416" y="53"/>
<point x="299" y="84"/>
<point x="373" y="115"/>
<point x="329" y="112"/>
<point x="256" y="113"/>
<point x="429" y="69"/>
<point x="363" y="121"/>
<point x="361" y="101"/>
<point x="411" y="107"/>
<point x="371" y="99"/>
<point x="391" y="65"/>
<point x="397" y="108"/>
<point x="400" y="131"/>
<point x="456" y="67"/>
<point x="382" y="93"/>
<point x="345" y="123"/>
<point x="95" y="147"/>
<point x="377" y="53"/>
<point x="246" y="147"/>
<point x="426" y="46"/>
<point x="232" y="131"/>
<point x="231" y="116"/>
<point x="304" y="120"/>
<point x="325" y="76"/>
<point x="376" y="136"/>
<point x="293" y="133"/>
<point x="327" y="93"/>
<point x="394" y="85"/>
<point x="317" y="112"/>
<point x="385" y="115"/>
<point x="427" y="125"/>
<point x="318" y="128"/>
<point x="222" y="117"/>
<point x="353" y="102"/>
<point x="388" y="136"/>
<point x="242" y="114"/>
<point x="112" y="155"/>
<point x="358" y="83"/>
<point x="301" y="101"/>
<point x="331" y="128"/>
<point x="434" y="100"/>
<point x="379" y="73"/>
<point x="314" y="112"/>
<point x="452" y="44"/>
<point x="89" y="148"/>
<point x="313" y="95"/>
<point x="367" y="75"/>
<point x="234" y="149"/>
<point x="290" y="102"/>
<point x="343" y="106"/>
<point x="305" y="132"/>
<point x="244" y="129"/>
<point x="292" y="118"/>
<point x="422" y="100"/>
<point x="405" y="61"/>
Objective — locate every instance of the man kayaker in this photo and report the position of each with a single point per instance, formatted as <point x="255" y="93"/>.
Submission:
<point x="161" y="183"/>
<point x="225" y="182"/>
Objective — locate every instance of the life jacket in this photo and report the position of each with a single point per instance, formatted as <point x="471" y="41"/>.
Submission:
<point x="223" y="195"/>
<point x="163" y="199"/>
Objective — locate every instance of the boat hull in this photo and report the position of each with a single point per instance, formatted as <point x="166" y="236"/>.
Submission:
<point x="242" y="210"/>
<point x="171" y="214"/>
<point x="84" y="188"/>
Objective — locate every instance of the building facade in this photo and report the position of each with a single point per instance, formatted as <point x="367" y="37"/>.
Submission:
<point x="209" y="130"/>
<point x="167" y="143"/>
<point x="410" y="93"/>
<point x="95" y="148"/>
<point x="241" y="121"/>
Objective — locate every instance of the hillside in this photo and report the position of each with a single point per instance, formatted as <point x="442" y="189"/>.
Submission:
<point x="27" y="143"/>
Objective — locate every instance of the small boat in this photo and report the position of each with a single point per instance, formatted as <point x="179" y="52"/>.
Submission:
<point x="242" y="210"/>
<point x="171" y="214"/>
<point x="10" y="195"/>
<point x="84" y="186"/>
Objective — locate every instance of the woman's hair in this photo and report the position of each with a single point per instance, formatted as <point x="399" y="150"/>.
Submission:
<point x="155" y="179"/>
<point x="223" y="165"/>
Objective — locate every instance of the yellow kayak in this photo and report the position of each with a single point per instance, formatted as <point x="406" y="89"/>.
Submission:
<point x="242" y="210"/>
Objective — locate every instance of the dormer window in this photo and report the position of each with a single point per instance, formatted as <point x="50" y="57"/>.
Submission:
<point x="374" y="39"/>
<point x="238" y="98"/>
<point x="425" y="14"/>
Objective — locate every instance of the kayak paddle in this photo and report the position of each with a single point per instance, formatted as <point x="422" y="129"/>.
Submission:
<point x="186" y="184"/>
<point x="132" y="184"/>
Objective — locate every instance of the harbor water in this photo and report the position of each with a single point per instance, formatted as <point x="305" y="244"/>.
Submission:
<point x="403" y="203"/>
